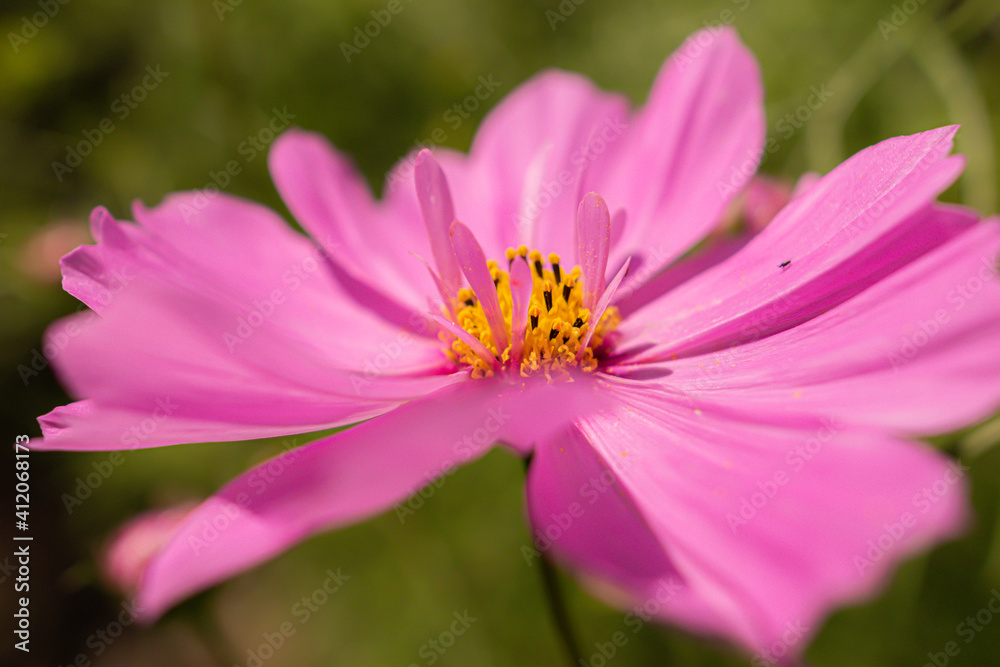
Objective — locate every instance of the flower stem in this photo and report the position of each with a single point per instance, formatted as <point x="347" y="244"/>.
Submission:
<point x="557" y="604"/>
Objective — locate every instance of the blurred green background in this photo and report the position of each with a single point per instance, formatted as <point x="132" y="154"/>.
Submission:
<point x="891" y="69"/>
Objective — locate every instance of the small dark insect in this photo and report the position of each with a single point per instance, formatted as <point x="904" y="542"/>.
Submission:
<point x="784" y="264"/>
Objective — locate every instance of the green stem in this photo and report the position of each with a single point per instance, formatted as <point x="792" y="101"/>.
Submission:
<point x="557" y="604"/>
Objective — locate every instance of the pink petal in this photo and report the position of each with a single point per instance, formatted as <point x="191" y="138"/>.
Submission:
<point x="602" y="305"/>
<point x="474" y="343"/>
<point x="521" y="284"/>
<point x="88" y="426"/>
<point x="884" y="357"/>
<point x="544" y="129"/>
<point x="531" y="192"/>
<point x="864" y="220"/>
<point x="467" y="189"/>
<point x="473" y="262"/>
<point x="136" y="542"/>
<point x="618" y="221"/>
<point x="821" y="498"/>
<point x="438" y="214"/>
<point x="637" y="293"/>
<point x="367" y="240"/>
<point x="763" y="199"/>
<point x="593" y="232"/>
<point x="93" y="274"/>
<point x="687" y="152"/>
<point x="574" y="501"/>
<point x="353" y="475"/>
<point x="222" y="365"/>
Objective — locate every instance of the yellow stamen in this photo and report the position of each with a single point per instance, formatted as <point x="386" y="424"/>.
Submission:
<point x="557" y="321"/>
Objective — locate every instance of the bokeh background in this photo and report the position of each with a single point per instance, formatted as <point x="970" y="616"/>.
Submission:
<point x="891" y="67"/>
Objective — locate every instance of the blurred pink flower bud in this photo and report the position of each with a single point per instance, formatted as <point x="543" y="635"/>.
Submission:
<point x="129" y="549"/>
<point x="39" y="257"/>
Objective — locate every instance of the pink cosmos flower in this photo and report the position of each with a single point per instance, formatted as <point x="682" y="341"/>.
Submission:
<point x="727" y="437"/>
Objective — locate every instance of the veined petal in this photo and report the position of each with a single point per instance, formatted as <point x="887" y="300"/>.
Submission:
<point x="473" y="263"/>
<point x="543" y="130"/>
<point x="914" y="354"/>
<point x="686" y="467"/>
<point x="861" y="222"/>
<point x="367" y="240"/>
<point x="593" y="232"/>
<point x="88" y="426"/>
<point x="520" y="291"/>
<point x="686" y="154"/>
<point x="223" y="364"/>
<point x="477" y="346"/>
<point x="636" y="293"/>
<point x="568" y="477"/>
<point x="438" y="214"/>
<point x="606" y="298"/>
<point x="353" y="475"/>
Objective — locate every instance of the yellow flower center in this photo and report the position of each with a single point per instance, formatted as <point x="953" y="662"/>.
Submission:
<point x="557" y="321"/>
